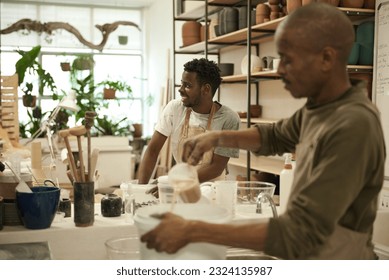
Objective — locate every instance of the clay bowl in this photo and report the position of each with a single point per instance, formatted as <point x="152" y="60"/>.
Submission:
<point x="242" y="115"/>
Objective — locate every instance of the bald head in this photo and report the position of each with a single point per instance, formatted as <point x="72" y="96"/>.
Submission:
<point x="319" y="25"/>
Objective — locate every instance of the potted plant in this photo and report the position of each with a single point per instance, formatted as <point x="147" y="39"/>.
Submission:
<point x="123" y="40"/>
<point x="110" y="88"/>
<point x="29" y="100"/>
<point x="85" y="96"/>
<point x="105" y="126"/>
<point x="28" y="64"/>
<point x="83" y="62"/>
<point x="28" y="129"/>
<point x="65" y="66"/>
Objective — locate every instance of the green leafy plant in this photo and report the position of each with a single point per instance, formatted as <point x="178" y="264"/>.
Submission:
<point x="28" y="63"/>
<point x="85" y="96"/>
<point x="116" y="85"/>
<point x="105" y="126"/>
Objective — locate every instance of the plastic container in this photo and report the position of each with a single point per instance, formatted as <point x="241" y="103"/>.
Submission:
<point x="184" y="179"/>
<point x="286" y="181"/>
<point x="165" y="190"/>
<point x="196" y="251"/>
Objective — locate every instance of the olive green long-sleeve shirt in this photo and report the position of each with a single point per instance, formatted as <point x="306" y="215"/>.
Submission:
<point x="340" y="155"/>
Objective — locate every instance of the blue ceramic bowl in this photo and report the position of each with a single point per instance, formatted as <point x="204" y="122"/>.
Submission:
<point x="37" y="209"/>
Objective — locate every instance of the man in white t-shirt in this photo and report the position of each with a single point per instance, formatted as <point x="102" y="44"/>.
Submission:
<point x="193" y="114"/>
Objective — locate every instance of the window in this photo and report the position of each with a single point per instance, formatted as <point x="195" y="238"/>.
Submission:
<point x="117" y="61"/>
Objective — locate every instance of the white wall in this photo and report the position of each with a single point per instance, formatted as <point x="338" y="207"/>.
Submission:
<point x="159" y="40"/>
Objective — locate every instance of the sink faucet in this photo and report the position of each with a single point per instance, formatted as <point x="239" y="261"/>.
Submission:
<point x="262" y="197"/>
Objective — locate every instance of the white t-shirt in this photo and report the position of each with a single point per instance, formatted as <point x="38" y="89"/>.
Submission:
<point x="173" y="117"/>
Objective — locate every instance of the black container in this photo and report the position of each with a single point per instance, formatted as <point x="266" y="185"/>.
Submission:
<point x="65" y="205"/>
<point x="111" y="205"/>
<point x="84" y="203"/>
<point x="226" y="69"/>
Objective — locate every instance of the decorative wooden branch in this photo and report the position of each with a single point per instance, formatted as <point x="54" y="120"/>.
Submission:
<point x="49" y="27"/>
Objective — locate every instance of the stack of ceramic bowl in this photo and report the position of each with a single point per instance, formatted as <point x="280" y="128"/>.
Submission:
<point x="365" y="40"/>
<point x="228" y="20"/>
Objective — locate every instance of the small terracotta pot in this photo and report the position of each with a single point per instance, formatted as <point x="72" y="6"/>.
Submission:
<point x="109" y="93"/>
<point x="29" y="101"/>
<point x="65" y="66"/>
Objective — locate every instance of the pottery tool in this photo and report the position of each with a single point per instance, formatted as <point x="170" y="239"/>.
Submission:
<point x="70" y="176"/>
<point x="32" y="174"/>
<point x="94" y="157"/>
<point x="79" y="131"/>
<point x="89" y="119"/>
<point x="65" y="134"/>
<point x="22" y="186"/>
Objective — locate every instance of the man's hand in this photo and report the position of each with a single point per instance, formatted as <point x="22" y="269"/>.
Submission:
<point x="194" y="148"/>
<point x="169" y="236"/>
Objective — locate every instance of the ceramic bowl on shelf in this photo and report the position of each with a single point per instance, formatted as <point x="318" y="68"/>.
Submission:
<point x="255" y="64"/>
<point x="242" y="115"/>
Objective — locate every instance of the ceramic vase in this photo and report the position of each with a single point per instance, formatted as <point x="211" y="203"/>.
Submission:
<point x="191" y="33"/>
<point x="292" y="5"/>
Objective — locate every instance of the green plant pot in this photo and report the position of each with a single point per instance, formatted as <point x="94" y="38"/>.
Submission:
<point x="123" y="40"/>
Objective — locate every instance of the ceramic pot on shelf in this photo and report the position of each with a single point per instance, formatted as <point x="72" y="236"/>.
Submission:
<point x="369" y="4"/>
<point x="331" y="2"/>
<point x="352" y="3"/>
<point x="191" y="32"/>
<point x="231" y="18"/>
<point x="292" y="5"/>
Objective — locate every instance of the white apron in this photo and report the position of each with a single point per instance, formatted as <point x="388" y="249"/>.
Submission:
<point x="188" y="131"/>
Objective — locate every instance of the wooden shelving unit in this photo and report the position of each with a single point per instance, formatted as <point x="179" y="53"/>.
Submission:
<point x="260" y="33"/>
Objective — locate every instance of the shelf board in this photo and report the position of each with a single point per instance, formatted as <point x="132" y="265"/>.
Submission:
<point x="271" y="74"/>
<point x="272" y="165"/>
<point x="360" y="68"/>
<point x="233" y="2"/>
<point x="196" y="48"/>
<point x="358" y="14"/>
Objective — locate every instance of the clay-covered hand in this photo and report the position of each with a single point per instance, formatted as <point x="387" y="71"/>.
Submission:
<point x="169" y="236"/>
<point x="194" y="148"/>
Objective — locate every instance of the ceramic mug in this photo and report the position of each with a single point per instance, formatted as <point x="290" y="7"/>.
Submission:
<point x="276" y="63"/>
